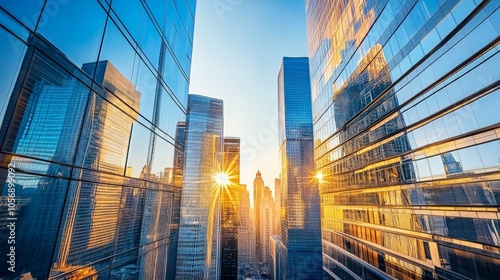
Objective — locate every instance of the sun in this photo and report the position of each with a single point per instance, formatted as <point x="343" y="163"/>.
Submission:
<point x="319" y="176"/>
<point x="222" y="179"/>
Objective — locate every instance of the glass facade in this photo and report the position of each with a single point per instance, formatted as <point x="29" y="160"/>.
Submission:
<point x="199" y="231"/>
<point x="230" y="209"/>
<point x="300" y="205"/>
<point x="89" y="113"/>
<point x="407" y="137"/>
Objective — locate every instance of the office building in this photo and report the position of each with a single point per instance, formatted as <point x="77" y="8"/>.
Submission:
<point x="88" y="105"/>
<point x="277" y="207"/>
<point x="406" y="134"/>
<point x="300" y="205"/>
<point x="199" y="231"/>
<point x="230" y="208"/>
<point x="266" y="226"/>
<point x="275" y="257"/>
<point x="245" y="232"/>
<point x="258" y="195"/>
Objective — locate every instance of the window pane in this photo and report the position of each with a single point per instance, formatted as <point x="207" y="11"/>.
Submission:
<point x="72" y="31"/>
<point x="138" y="151"/>
<point x="28" y="11"/>
<point x="48" y="116"/>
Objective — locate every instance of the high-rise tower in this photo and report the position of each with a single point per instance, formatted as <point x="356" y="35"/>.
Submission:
<point x="199" y="240"/>
<point x="405" y="95"/>
<point x="300" y="214"/>
<point x="246" y="240"/>
<point x="230" y="209"/>
<point x="258" y="194"/>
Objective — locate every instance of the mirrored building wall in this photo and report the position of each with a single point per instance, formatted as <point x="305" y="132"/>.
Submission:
<point x="89" y="119"/>
<point x="406" y="136"/>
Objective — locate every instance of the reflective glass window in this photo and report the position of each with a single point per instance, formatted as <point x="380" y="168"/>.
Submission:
<point x="117" y="50"/>
<point x="29" y="11"/>
<point x="39" y="205"/>
<point x="11" y="54"/>
<point x="48" y="116"/>
<point x="138" y="151"/>
<point x="76" y="28"/>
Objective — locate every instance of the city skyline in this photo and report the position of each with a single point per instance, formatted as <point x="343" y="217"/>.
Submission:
<point x="248" y="54"/>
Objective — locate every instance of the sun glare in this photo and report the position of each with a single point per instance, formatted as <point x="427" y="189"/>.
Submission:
<point x="222" y="179"/>
<point x="319" y="176"/>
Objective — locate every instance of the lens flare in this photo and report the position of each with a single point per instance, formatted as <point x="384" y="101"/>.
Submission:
<point x="222" y="179"/>
<point x="319" y="176"/>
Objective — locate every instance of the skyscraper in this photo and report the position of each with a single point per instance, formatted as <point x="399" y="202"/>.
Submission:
<point x="230" y="209"/>
<point x="276" y="248"/>
<point x="198" y="247"/>
<point x="246" y="240"/>
<point x="300" y="214"/>
<point x="266" y="226"/>
<point x="277" y="206"/>
<point x="82" y="100"/>
<point x="258" y="194"/>
<point x="406" y="137"/>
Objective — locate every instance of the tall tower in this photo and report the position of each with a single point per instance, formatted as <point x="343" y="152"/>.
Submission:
<point x="277" y="206"/>
<point x="300" y="218"/>
<point x="397" y="99"/>
<point x="266" y="226"/>
<point x="197" y="252"/>
<point x="245" y="231"/>
<point x="258" y="194"/>
<point x="230" y="209"/>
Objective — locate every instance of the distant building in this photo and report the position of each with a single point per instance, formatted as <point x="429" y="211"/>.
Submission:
<point x="277" y="207"/>
<point x="246" y="239"/>
<point x="266" y="226"/>
<point x="258" y="195"/>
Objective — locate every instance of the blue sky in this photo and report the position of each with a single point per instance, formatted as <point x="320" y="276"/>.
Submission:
<point x="237" y="53"/>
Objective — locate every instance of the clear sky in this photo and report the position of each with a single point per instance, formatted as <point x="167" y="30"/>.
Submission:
<point x="237" y="53"/>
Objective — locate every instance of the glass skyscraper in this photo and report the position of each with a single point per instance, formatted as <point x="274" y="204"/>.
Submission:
<point x="199" y="232"/>
<point x="406" y="133"/>
<point x="230" y="209"/>
<point x="88" y="118"/>
<point x="300" y="215"/>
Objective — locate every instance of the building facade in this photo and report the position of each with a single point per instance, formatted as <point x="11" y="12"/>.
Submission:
<point x="275" y="259"/>
<point x="245" y="232"/>
<point x="266" y="227"/>
<point x="277" y="206"/>
<point x="300" y="205"/>
<point x="258" y="195"/>
<point x="406" y="137"/>
<point x="199" y="240"/>
<point x="87" y="126"/>
<point x="230" y="209"/>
